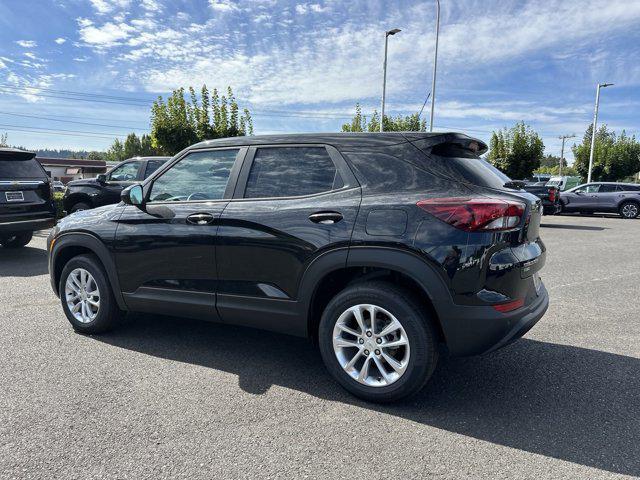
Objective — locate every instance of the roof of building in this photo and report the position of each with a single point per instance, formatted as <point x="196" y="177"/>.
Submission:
<point x="71" y="162"/>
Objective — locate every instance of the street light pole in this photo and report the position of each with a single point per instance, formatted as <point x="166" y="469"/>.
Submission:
<point x="435" y="66"/>
<point x="593" y="129"/>
<point x="384" y="72"/>
<point x="563" y="138"/>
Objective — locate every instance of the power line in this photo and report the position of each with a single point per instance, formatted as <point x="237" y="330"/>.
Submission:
<point x="63" y="132"/>
<point x="69" y="121"/>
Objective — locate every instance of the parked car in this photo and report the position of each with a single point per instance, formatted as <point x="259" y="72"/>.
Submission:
<point x="550" y="196"/>
<point x="564" y="182"/>
<point x="25" y="198"/>
<point x="105" y="189"/>
<point x="378" y="246"/>
<point x="57" y="186"/>
<point x="621" y="198"/>
<point x="539" y="178"/>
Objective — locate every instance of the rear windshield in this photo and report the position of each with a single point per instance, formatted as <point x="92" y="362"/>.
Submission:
<point x="10" y="169"/>
<point x="463" y="165"/>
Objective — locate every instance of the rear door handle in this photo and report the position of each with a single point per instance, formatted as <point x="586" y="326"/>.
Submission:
<point x="326" y="218"/>
<point x="200" y="219"/>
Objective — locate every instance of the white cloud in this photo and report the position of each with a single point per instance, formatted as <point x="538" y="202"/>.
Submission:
<point x="223" y="5"/>
<point x="104" y="36"/>
<point x="27" y="43"/>
<point x="303" y="8"/>
<point x="107" y="6"/>
<point x="60" y="40"/>
<point x="30" y="55"/>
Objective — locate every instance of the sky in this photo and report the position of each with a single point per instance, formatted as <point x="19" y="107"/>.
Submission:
<point x="78" y="73"/>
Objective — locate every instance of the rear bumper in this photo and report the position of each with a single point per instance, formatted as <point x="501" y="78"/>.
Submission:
<point x="29" y="225"/>
<point x="478" y="330"/>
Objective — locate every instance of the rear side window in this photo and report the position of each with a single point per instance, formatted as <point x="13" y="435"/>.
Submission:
<point x="152" y="166"/>
<point x="628" y="188"/>
<point x="604" y="188"/>
<point x="10" y="169"/>
<point x="291" y="172"/>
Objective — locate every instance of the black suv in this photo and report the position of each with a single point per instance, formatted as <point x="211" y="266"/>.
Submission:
<point x="106" y="189"/>
<point x="380" y="247"/>
<point x="26" y="204"/>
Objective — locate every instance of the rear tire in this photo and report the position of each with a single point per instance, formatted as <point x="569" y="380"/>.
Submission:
<point x="629" y="210"/>
<point x="84" y="280"/>
<point x="79" y="207"/>
<point x="18" y="240"/>
<point x="409" y="360"/>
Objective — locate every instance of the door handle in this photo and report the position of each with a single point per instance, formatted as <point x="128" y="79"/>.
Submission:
<point x="326" y="218"/>
<point x="200" y="219"/>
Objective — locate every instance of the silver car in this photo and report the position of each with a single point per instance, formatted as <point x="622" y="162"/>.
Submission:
<point x="622" y="198"/>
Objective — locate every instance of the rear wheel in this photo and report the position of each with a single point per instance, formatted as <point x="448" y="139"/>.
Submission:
<point x="378" y="342"/>
<point x="86" y="296"/>
<point x="17" y="241"/>
<point x="79" y="207"/>
<point x="629" y="210"/>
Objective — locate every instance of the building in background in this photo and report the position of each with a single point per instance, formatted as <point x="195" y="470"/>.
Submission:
<point x="67" y="169"/>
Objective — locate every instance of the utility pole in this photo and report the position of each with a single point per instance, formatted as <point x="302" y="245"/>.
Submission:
<point x="563" y="138"/>
<point x="435" y="66"/>
<point x="595" y="124"/>
<point x="384" y="72"/>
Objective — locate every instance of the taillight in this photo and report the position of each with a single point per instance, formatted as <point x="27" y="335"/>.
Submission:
<point x="509" y="306"/>
<point x="552" y="194"/>
<point x="475" y="214"/>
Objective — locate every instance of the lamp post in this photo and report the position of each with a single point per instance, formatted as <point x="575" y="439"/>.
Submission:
<point x="595" y="123"/>
<point x="435" y="65"/>
<point x="384" y="71"/>
<point x="563" y="138"/>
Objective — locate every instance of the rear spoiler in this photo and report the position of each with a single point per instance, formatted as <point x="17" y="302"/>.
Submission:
<point x="15" y="154"/>
<point x="459" y="140"/>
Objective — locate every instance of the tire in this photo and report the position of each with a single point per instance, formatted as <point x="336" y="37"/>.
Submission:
<point x="18" y="240"/>
<point x="629" y="210"/>
<point x="99" y="319"/>
<point x="420" y="355"/>
<point x="77" y="207"/>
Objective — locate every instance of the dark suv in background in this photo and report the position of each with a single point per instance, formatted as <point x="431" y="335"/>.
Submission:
<point x="26" y="204"/>
<point x="380" y="247"/>
<point x="105" y="189"/>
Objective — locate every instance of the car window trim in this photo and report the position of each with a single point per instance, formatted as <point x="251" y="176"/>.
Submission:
<point x="231" y="182"/>
<point x="341" y="166"/>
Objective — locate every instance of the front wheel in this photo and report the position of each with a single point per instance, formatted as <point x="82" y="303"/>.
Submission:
<point x="78" y="207"/>
<point x="18" y="240"/>
<point x="86" y="296"/>
<point x="629" y="210"/>
<point x="378" y="342"/>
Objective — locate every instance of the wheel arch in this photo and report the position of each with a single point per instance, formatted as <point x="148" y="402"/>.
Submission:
<point x="71" y="245"/>
<point x="333" y="271"/>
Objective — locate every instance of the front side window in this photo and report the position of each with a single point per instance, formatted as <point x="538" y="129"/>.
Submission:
<point x="127" y="172"/>
<point x="291" y="172"/>
<point x="198" y="176"/>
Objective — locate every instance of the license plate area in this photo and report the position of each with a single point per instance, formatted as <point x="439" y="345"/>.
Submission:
<point x="14" y="196"/>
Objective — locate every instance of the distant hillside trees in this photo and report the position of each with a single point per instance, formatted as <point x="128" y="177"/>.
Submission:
<point x="616" y="157"/>
<point x="407" y="123"/>
<point x="517" y="151"/>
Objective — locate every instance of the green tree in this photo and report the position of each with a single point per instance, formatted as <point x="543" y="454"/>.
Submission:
<point x="176" y="123"/>
<point x="94" y="155"/>
<point x="552" y="161"/>
<point x="616" y="157"/>
<point x="517" y="151"/>
<point x="132" y="146"/>
<point x="400" y="123"/>
<point x="3" y="140"/>
<point x="115" y="153"/>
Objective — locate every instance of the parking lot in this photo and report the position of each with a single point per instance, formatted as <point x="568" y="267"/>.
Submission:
<point x="174" y="398"/>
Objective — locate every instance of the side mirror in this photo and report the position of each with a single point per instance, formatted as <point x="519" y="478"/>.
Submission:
<point x="102" y="178"/>
<point x="133" y="195"/>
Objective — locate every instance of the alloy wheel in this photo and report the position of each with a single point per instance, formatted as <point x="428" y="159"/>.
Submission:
<point x="371" y="345"/>
<point x="630" y="210"/>
<point x="82" y="295"/>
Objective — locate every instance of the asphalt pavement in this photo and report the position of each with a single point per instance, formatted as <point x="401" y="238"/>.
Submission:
<point x="174" y="398"/>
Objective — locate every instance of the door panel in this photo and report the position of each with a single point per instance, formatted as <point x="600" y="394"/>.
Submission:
<point x="264" y="245"/>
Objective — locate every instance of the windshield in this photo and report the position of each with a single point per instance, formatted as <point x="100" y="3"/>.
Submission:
<point x="15" y="169"/>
